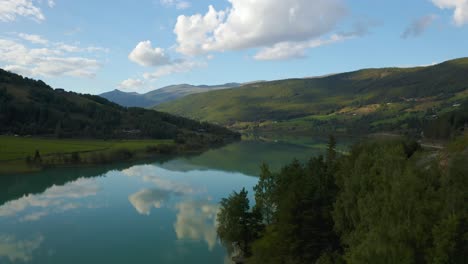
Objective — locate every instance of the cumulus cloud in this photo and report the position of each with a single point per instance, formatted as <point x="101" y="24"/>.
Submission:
<point x="179" y="4"/>
<point x="249" y="24"/>
<point x="52" y="59"/>
<point x="19" y="250"/>
<point x="197" y="221"/>
<point x="11" y="9"/>
<point x="460" y="14"/>
<point x="417" y="27"/>
<point x="131" y="84"/>
<point x="145" y="55"/>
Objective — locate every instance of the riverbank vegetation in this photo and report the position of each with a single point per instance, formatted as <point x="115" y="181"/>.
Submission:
<point x="28" y="154"/>
<point x="384" y="202"/>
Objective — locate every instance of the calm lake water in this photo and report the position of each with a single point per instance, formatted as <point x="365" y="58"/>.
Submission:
<point x="153" y="212"/>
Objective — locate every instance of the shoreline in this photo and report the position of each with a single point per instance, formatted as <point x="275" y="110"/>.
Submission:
<point x="120" y="151"/>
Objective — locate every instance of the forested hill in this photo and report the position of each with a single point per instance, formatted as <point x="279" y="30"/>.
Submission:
<point x="31" y="107"/>
<point x="369" y="99"/>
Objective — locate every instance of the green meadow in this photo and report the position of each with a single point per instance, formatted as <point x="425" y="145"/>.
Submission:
<point x="14" y="151"/>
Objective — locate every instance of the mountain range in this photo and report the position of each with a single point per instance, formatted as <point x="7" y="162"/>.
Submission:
<point x="31" y="107"/>
<point x="162" y="95"/>
<point x="366" y="100"/>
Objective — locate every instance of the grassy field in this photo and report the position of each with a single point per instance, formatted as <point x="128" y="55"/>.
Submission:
<point x="15" y="150"/>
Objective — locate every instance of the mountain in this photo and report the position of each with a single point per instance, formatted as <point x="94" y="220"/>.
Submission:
<point x="161" y="95"/>
<point x="31" y="107"/>
<point x="127" y="99"/>
<point x="364" y="101"/>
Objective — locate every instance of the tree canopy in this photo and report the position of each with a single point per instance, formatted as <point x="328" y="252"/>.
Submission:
<point x="384" y="202"/>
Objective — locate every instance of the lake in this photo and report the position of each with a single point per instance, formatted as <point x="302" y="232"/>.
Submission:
<point x="159" y="211"/>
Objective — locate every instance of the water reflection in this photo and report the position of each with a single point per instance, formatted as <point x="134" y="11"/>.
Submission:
<point x="146" y="199"/>
<point x="165" y="210"/>
<point x="156" y="176"/>
<point x="197" y="221"/>
<point x="33" y="207"/>
<point x="245" y="157"/>
<point x="15" y="250"/>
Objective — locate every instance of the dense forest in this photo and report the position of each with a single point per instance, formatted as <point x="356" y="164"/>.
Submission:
<point x="384" y="202"/>
<point x="30" y="107"/>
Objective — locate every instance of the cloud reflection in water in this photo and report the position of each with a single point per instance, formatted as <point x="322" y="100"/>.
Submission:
<point x="197" y="221"/>
<point x="54" y="199"/>
<point x="146" y="199"/>
<point x="18" y="250"/>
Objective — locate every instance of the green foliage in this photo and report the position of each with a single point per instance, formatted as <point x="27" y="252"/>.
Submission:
<point x="390" y="210"/>
<point x="238" y="226"/>
<point x="384" y="202"/>
<point x="264" y="200"/>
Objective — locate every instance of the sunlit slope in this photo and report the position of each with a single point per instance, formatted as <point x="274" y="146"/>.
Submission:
<point x="359" y="93"/>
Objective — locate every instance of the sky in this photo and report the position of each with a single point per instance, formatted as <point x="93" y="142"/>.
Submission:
<point x="91" y="46"/>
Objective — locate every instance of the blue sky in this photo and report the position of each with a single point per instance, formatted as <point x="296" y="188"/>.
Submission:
<point x="96" y="46"/>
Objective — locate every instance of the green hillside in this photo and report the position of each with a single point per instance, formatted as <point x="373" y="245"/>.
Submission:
<point x="30" y="107"/>
<point x="368" y="100"/>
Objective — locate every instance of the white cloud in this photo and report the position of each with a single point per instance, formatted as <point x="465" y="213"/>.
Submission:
<point x="249" y="24"/>
<point x="294" y="50"/>
<point x="50" y="66"/>
<point x="74" y="49"/>
<point x="183" y="5"/>
<point x="19" y="250"/>
<point x="179" y="4"/>
<point x="51" y="3"/>
<point x="417" y="27"/>
<point x="11" y="9"/>
<point x="97" y="49"/>
<point x="192" y="32"/>
<point x="53" y="59"/>
<point x="197" y="221"/>
<point x="175" y="67"/>
<point x="67" y="47"/>
<point x="460" y="15"/>
<point x="131" y="84"/>
<point x="35" y="39"/>
<point x="144" y="54"/>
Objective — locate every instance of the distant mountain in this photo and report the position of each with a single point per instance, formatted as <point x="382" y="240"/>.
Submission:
<point x="161" y="95"/>
<point x="31" y="107"/>
<point x="127" y="99"/>
<point x="364" y="100"/>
